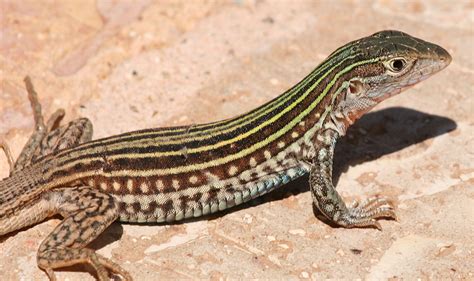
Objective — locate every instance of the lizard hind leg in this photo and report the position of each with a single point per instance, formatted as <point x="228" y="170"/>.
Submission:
<point x="87" y="213"/>
<point x="67" y="136"/>
<point x="49" y="137"/>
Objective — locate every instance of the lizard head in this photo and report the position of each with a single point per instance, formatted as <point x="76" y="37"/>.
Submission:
<point x="383" y="65"/>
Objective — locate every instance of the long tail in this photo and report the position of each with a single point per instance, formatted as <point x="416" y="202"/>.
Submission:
<point x="19" y="183"/>
<point x="21" y="188"/>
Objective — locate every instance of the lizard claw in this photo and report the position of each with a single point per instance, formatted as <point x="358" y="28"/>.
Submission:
<point x="366" y="213"/>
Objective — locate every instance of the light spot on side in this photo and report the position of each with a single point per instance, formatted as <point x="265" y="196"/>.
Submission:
<point x="130" y="185"/>
<point x="294" y="135"/>
<point x="233" y="170"/>
<point x="103" y="186"/>
<point x="193" y="179"/>
<point x="252" y="162"/>
<point x="116" y="186"/>
<point x="159" y="184"/>
<point x="144" y="187"/>
<point x="267" y="154"/>
<point x="175" y="184"/>
<point x="281" y="144"/>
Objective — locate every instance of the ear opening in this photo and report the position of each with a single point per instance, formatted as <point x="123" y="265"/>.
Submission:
<point x="356" y="87"/>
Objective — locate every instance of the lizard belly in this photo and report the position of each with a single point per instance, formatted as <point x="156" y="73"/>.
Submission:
<point x="203" y="200"/>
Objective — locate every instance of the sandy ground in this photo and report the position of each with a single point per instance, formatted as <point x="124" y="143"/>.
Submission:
<point x="145" y="64"/>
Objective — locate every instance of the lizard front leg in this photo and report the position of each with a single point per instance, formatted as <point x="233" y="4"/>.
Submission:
<point x="328" y="200"/>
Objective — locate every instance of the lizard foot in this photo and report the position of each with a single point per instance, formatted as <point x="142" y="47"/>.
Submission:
<point x="50" y="260"/>
<point x="366" y="213"/>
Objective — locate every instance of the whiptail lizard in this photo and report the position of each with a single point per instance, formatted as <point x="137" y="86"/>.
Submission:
<point x="171" y="174"/>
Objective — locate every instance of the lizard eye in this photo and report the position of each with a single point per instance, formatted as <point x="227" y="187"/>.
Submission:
<point x="397" y="64"/>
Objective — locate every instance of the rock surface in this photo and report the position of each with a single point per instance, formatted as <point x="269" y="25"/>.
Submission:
<point x="129" y="66"/>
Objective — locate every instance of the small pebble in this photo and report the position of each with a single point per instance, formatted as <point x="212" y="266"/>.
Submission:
<point x="299" y="232"/>
<point x="248" y="218"/>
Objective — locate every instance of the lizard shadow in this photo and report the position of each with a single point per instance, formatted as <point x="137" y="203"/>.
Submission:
<point x="374" y="135"/>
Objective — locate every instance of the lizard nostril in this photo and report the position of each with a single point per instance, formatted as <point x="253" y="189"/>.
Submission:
<point x="443" y="55"/>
